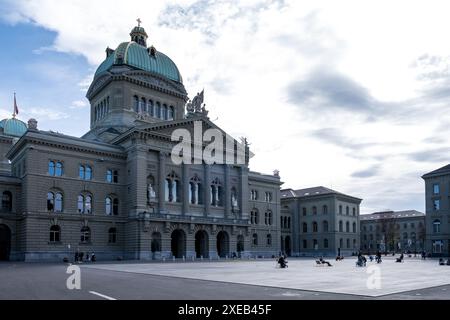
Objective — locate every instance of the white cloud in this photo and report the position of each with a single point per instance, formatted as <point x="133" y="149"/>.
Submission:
<point x="77" y="104"/>
<point x="246" y="54"/>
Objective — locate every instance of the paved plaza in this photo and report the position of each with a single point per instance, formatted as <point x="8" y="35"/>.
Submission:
<point x="303" y="274"/>
<point x="230" y="280"/>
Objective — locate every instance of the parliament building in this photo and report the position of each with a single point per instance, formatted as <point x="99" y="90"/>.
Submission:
<point x="117" y="192"/>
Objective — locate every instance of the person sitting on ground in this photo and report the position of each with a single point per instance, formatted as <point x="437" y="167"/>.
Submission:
<point x="324" y="262"/>
<point x="400" y="259"/>
<point x="441" y="262"/>
<point x="282" y="262"/>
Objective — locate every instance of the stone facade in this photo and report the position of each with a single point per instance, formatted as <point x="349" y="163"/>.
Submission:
<point x="320" y="222"/>
<point x="393" y="231"/>
<point x="437" y="206"/>
<point x="117" y="192"/>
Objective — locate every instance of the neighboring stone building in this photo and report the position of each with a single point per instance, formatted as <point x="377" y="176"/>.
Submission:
<point x="437" y="208"/>
<point x="116" y="191"/>
<point x="393" y="231"/>
<point x="319" y="222"/>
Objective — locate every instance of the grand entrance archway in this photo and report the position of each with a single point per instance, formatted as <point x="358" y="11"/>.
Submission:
<point x="5" y="242"/>
<point x="287" y="246"/>
<point x="178" y="243"/>
<point x="201" y="244"/>
<point x="223" y="244"/>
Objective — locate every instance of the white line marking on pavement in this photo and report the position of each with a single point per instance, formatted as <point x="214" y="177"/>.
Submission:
<point x="102" y="295"/>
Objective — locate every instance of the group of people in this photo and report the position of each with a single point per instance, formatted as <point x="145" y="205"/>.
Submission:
<point x="362" y="261"/>
<point x="79" y="256"/>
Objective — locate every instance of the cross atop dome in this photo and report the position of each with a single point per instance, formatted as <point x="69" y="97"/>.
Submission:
<point x="139" y="22"/>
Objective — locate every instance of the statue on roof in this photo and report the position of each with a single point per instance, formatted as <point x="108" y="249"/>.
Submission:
<point x="196" y="106"/>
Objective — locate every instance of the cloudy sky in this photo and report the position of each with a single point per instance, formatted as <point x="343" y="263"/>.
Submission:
<point x="352" y="95"/>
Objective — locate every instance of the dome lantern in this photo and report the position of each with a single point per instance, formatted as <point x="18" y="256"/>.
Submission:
<point x="139" y="35"/>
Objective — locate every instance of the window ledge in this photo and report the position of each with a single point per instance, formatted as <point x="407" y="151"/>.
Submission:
<point x="55" y="243"/>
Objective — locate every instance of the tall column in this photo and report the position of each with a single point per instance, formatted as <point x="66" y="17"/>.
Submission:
<point x="138" y="166"/>
<point x="162" y="177"/>
<point x="206" y="189"/>
<point x="227" y="186"/>
<point x="185" y="188"/>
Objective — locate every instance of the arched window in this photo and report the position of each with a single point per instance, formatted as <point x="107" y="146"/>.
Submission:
<point x="51" y="168"/>
<point x="341" y="228"/>
<point x="341" y="243"/>
<point x="109" y="176"/>
<point x="50" y="201"/>
<point x="371" y="237"/>
<point x="112" y="235"/>
<point x="325" y="209"/>
<point x="172" y="186"/>
<point x="354" y="211"/>
<point x="436" y="226"/>
<point x="354" y="243"/>
<point x="59" y="169"/>
<point x="164" y="112"/>
<point x="254" y="216"/>
<point x="55" y="233"/>
<point x="81" y="172"/>
<point x="305" y="227"/>
<point x="304" y="211"/>
<point x="58" y="202"/>
<point x="234" y="200"/>
<point x="315" y="244"/>
<point x="158" y="110"/>
<point x="354" y="227"/>
<point x="195" y="191"/>
<point x="84" y="203"/>
<point x="143" y="106"/>
<point x="108" y="206"/>
<point x="88" y="174"/>
<point x="85" y="235"/>
<point x="289" y="222"/>
<point x="348" y="243"/>
<point x="281" y="222"/>
<point x="255" y="239"/>
<point x="136" y="104"/>
<point x="315" y="228"/>
<point x="347" y="210"/>
<point x="325" y="226"/>
<point x="340" y="209"/>
<point x="347" y="226"/>
<point x="268" y="218"/>
<point x="151" y="111"/>
<point x="171" y="113"/>
<point x="54" y="202"/>
<point x="314" y="210"/>
<point x="405" y="236"/>
<point x="325" y="243"/>
<point x="269" y="240"/>
<point x="6" y="201"/>
<point x="216" y="193"/>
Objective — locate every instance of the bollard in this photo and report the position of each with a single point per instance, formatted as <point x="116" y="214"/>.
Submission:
<point x="184" y="258"/>
<point x="173" y="258"/>
<point x="201" y="258"/>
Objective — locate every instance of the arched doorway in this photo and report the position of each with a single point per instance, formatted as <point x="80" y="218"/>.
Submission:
<point x="223" y="244"/>
<point x="178" y="243"/>
<point x="240" y="245"/>
<point x="287" y="245"/>
<point x="155" y="244"/>
<point x="201" y="244"/>
<point x="5" y="242"/>
<point x="282" y="244"/>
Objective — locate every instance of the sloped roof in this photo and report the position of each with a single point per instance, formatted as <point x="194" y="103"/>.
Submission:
<point x="441" y="171"/>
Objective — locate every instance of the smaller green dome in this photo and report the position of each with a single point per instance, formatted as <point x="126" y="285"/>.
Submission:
<point x="13" y="127"/>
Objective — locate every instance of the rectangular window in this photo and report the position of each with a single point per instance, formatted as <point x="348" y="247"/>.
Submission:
<point x="436" y="205"/>
<point x="436" y="189"/>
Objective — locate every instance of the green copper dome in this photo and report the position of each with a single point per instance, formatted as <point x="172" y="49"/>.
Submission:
<point x="139" y="57"/>
<point x="13" y="127"/>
